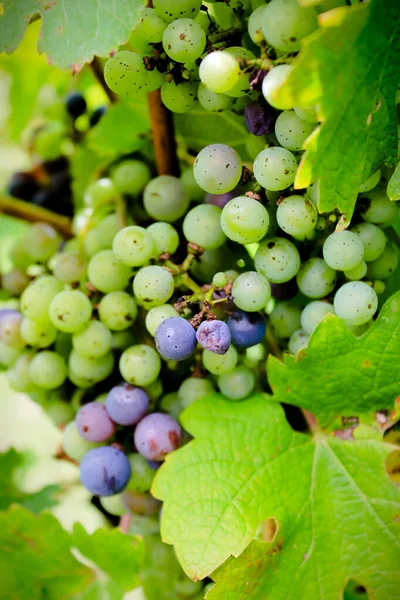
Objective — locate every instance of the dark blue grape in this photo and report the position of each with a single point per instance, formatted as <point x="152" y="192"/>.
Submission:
<point x="96" y="115"/>
<point x="105" y="471"/>
<point x="175" y="338"/>
<point x="214" y="336"/>
<point x="259" y="118"/>
<point x="127" y="404"/>
<point x="247" y="329"/>
<point x="22" y="185"/>
<point x="75" y="104"/>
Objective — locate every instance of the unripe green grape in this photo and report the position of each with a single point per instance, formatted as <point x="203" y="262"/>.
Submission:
<point x="15" y="281"/>
<point x="314" y="313"/>
<point x="218" y="364"/>
<point x="70" y="311"/>
<point x="184" y="40"/>
<point x="315" y="278"/>
<point x="220" y="279"/>
<point x="356" y="302"/>
<point x="131" y="177"/>
<point x="43" y="241"/>
<point x="169" y="11"/>
<point x="306" y="114"/>
<point x="117" y="310"/>
<point x="73" y="444"/>
<point x="8" y="355"/>
<point x="157" y="315"/>
<point x="238" y="383"/>
<point x="165" y="236"/>
<point x="140" y="365"/>
<point x="377" y="208"/>
<point x="219" y="71"/>
<point x="165" y="199"/>
<point x="19" y="376"/>
<point x="194" y="388"/>
<point x="212" y="101"/>
<point x="100" y="192"/>
<point x="275" y="168"/>
<point x="142" y="474"/>
<point x="134" y="246"/>
<point x="277" y="259"/>
<point x="171" y="403"/>
<point x="48" y="370"/>
<point x="37" y="334"/>
<point x="298" y="341"/>
<point x="371" y="182"/>
<point x="95" y="340"/>
<point x="357" y="272"/>
<point x="178" y="97"/>
<point x="272" y="83"/>
<point x="254" y="145"/>
<point x="106" y="273"/>
<point x="121" y="340"/>
<point x="251" y="291"/>
<point x="244" y="220"/>
<point x="254" y="26"/>
<point x="202" y="226"/>
<point x="297" y="215"/>
<point x="151" y="27"/>
<point x="101" y="237"/>
<point x="284" y="23"/>
<point x="343" y="250"/>
<point x="48" y="140"/>
<point x="242" y="86"/>
<point x="125" y="73"/>
<point x="153" y="286"/>
<point x="193" y="190"/>
<point x="70" y="267"/>
<point x="217" y="168"/>
<point x="113" y="505"/>
<point x="36" y="298"/>
<point x="384" y="266"/>
<point x="154" y="80"/>
<point x="292" y="131"/>
<point x="285" y="319"/>
<point x="373" y="239"/>
<point x="91" y="369"/>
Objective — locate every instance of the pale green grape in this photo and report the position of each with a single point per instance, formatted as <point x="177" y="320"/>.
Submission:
<point x="251" y="291"/>
<point x="212" y="101"/>
<point x="8" y="355"/>
<point x="297" y="215"/>
<point x="384" y="266"/>
<point x="217" y="168"/>
<point x="178" y="97"/>
<point x="165" y="199"/>
<point x="244" y="220"/>
<point x="356" y="302"/>
<point x="377" y="208"/>
<point x="194" y="388"/>
<point x="275" y="168"/>
<point x="272" y="83"/>
<point x="298" y="341"/>
<point x="242" y="86"/>
<point x="154" y="80"/>
<point x="220" y="279"/>
<point x="371" y="182"/>
<point x="37" y="334"/>
<point x="157" y="315"/>
<point x="254" y="145"/>
<point x="315" y="278"/>
<point x="43" y="241"/>
<point x="89" y="368"/>
<point x="100" y="193"/>
<point x="48" y="370"/>
<point x="140" y="365"/>
<point x="238" y="383"/>
<point x="134" y="246"/>
<point x="219" y="71"/>
<point x="36" y="298"/>
<point x="202" y="226"/>
<point x="113" y="504"/>
<point x="165" y="236"/>
<point x="101" y="237"/>
<point x="70" y="267"/>
<point x="151" y="27"/>
<point x="343" y="250"/>
<point x="169" y="10"/>
<point x="153" y="286"/>
<point x="285" y="319"/>
<point x="184" y="40"/>
<point x="125" y="73"/>
<point x="171" y="403"/>
<point x="94" y="341"/>
<point x="117" y="310"/>
<point x="373" y="239"/>
<point x="142" y="474"/>
<point x="277" y="259"/>
<point x="314" y="313"/>
<point x="121" y="340"/>
<point x="106" y="273"/>
<point x="284" y="23"/>
<point x="191" y="186"/>
<point x="306" y="114"/>
<point x="70" y="311"/>
<point x="19" y="376"/>
<point x="254" y="355"/>
<point x="154" y="391"/>
<point x="15" y="281"/>
<point x="291" y="131"/>
<point x="131" y="176"/>
<point x="73" y="444"/>
<point x="254" y="25"/>
<point x="218" y="364"/>
<point x="357" y="272"/>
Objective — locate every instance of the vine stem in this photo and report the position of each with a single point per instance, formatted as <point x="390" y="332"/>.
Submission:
<point x="31" y="212"/>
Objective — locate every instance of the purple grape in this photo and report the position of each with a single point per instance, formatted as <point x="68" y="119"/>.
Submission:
<point x="175" y="338"/>
<point x="156" y="435"/>
<point x="154" y="464"/>
<point x="93" y="422"/>
<point x="221" y="199"/>
<point x="247" y="329"/>
<point x="214" y="336"/>
<point x="259" y="118"/>
<point x="127" y="404"/>
<point x="105" y="471"/>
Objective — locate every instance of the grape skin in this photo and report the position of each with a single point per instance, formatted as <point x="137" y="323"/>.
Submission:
<point x="277" y="259"/>
<point x="356" y="302"/>
<point x="156" y="435"/>
<point x="251" y="291"/>
<point x="126" y="404"/>
<point x="217" y="168"/>
<point x="214" y="336"/>
<point x="275" y="168"/>
<point x="194" y="388"/>
<point x="105" y="471"/>
<point x="175" y="338"/>
<point x="343" y="250"/>
<point x="244" y="220"/>
<point x="202" y="226"/>
<point x="93" y="423"/>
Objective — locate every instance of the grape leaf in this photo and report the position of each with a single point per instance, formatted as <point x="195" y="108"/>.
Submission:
<point x="14" y="19"/>
<point x="350" y="69"/>
<point x="393" y="188"/>
<point x="341" y="374"/>
<point x="336" y="509"/>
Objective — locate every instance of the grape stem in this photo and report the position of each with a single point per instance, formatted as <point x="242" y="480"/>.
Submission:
<point x="32" y="213"/>
<point x="98" y="71"/>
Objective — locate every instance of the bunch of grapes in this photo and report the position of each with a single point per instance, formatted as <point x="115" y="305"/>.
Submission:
<point x="174" y="287"/>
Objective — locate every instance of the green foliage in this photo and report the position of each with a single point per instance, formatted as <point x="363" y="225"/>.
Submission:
<point x="393" y="188"/>
<point x="247" y="465"/>
<point x="349" y="68"/>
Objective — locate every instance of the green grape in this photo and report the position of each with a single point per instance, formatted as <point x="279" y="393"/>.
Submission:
<point x="314" y="313"/>
<point x="315" y="278"/>
<point x="219" y="71"/>
<point x="379" y="286"/>
<point x="272" y="83"/>
<point x="285" y="319"/>
<point x="254" y="355"/>
<point x="377" y="208"/>
<point x="169" y="11"/>
<point x="117" y="310"/>
<point x="10" y="329"/>
<point x="70" y="311"/>
<point x="59" y="411"/>
<point x="131" y="177"/>
<point x="154" y="80"/>
<point x="251" y="291"/>
<point x="48" y="370"/>
<point x="15" y="281"/>
<point x="80" y="381"/>
<point x="70" y="267"/>
<point x="140" y="365"/>
<point x="356" y="302"/>
<point x="238" y="383"/>
<point x="297" y="215"/>
<point x="298" y="341"/>
<point x="291" y="131"/>
<point x="94" y="341"/>
<point x="125" y="73"/>
<point x="275" y="168"/>
<point x="106" y="273"/>
<point x="8" y="355"/>
<point x="343" y="250"/>
<point x="219" y="364"/>
<point x="220" y="279"/>
<point x="134" y="246"/>
<point x="90" y="368"/>
<point x="371" y="182"/>
<point x="184" y="40"/>
<point x="100" y="193"/>
<point x="101" y="237"/>
<point x="43" y="241"/>
<point x="48" y="140"/>
<point x="326" y="5"/>
<point x="165" y="199"/>
<point x="121" y="340"/>
<point x="384" y="266"/>
<point x="63" y="344"/>
<point x="306" y="114"/>
<point x="20" y="254"/>
<point x="213" y="101"/>
<point x="217" y="168"/>
<point x="157" y="315"/>
<point x="373" y="239"/>
<point x="154" y="391"/>
<point x="284" y="23"/>
<point x="19" y="376"/>
<point x="194" y="388"/>
<point x="254" y="145"/>
<point x="73" y="444"/>
<point x="37" y="334"/>
<point x="113" y="504"/>
<point x="178" y="97"/>
<point x="171" y="404"/>
<point x="151" y="26"/>
<point x="277" y="259"/>
<point x="244" y="220"/>
<point x="242" y="86"/>
<point x="191" y="186"/>
<point x="142" y="474"/>
<point x="254" y="25"/>
<point x="165" y="236"/>
<point x="202" y="226"/>
<point x="153" y="286"/>
<point x="357" y="272"/>
<point x="36" y="298"/>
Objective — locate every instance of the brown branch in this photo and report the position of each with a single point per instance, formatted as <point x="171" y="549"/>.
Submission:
<point x="31" y="212"/>
<point x="98" y="72"/>
<point x="162" y="127"/>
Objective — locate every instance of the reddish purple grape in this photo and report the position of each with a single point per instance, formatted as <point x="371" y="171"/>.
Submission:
<point x="259" y="118"/>
<point x="214" y="336"/>
<point x="156" y="435"/>
<point x="93" y="422"/>
<point x="127" y="404"/>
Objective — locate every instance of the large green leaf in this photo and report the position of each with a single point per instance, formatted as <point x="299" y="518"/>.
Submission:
<point x="350" y="69"/>
<point x="341" y="374"/>
<point x="14" y="19"/>
<point x="335" y="507"/>
<point x="393" y="188"/>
